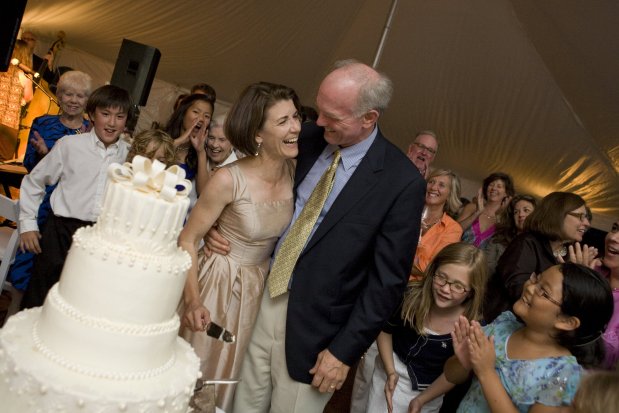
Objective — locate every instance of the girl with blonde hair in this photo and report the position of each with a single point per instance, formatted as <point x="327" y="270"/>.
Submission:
<point x="153" y="144"/>
<point x="598" y="393"/>
<point x="415" y="344"/>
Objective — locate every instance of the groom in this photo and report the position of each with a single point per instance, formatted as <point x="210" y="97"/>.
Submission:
<point x="352" y="271"/>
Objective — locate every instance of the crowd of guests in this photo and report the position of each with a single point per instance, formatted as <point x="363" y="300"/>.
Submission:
<point x="311" y="240"/>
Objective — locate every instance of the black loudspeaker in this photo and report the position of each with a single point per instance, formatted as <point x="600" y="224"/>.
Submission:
<point x="10" y="20"/>
<point x="135" y="69"/>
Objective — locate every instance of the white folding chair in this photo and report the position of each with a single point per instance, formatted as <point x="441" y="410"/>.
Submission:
<point x="9" y="242"/>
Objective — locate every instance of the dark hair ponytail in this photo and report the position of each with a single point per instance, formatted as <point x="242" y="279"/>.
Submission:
<point x="587" y="296"/>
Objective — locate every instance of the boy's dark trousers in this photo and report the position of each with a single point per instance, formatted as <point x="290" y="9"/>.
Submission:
<point x="55" y="243"/>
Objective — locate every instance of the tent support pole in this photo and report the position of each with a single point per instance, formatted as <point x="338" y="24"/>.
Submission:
<point x="383" y="39"/>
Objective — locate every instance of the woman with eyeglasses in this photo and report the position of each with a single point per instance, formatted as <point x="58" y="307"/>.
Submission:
<point x="414" y="345"/>
<point x="553" y="233"/>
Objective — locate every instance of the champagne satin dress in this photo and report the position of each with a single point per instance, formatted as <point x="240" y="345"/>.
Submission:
<point x="231" y="286"/>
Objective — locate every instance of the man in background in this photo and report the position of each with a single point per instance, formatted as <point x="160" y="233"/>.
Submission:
<point x="422" y="151"/>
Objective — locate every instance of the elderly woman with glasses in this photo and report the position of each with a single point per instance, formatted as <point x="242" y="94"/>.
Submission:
<point x="552" y="235"/>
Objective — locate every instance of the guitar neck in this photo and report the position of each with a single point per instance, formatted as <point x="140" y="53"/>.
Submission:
<point x="53" y="50"/>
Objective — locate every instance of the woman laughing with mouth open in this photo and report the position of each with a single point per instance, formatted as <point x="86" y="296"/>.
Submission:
<point x="188" y="126"/>
<point x="438" y="229"/>
<point x="252" y="203"/>
<point x="219" y="150"/>
<point x="478" y="219"/>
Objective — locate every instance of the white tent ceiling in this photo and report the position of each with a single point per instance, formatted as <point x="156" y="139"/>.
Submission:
<point x="522" y="86"/>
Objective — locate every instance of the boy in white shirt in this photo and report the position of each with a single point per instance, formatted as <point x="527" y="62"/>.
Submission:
<point x="78" y="164"/>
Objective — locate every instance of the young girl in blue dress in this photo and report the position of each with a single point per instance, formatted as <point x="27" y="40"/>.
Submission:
<point x="415" y="344"/>
<point x="531" y="360"/>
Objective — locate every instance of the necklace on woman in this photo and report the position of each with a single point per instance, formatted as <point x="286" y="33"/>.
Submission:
<point x="560" y="252"/>
<point x="184" y="147"/>
<point x="426" y="225"/>
<point x="68" y="123"/>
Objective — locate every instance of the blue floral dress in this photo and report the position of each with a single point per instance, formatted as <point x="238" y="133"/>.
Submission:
<point x="550" y="381"/>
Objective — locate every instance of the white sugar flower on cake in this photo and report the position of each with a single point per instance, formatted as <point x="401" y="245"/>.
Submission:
<point x="151" y="176"/>
<point x="106" y="339"/>
<point x="145" y="205"/>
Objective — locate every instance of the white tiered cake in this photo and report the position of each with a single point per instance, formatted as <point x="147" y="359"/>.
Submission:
<point x="106" y="339"/>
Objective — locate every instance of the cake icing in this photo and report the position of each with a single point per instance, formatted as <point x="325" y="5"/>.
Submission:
<point x="106" y="338"/>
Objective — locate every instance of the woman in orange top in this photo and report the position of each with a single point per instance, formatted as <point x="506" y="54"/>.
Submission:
<point x="438" y="229"/>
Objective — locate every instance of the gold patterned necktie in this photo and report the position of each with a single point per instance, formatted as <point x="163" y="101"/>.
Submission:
<point x="293" y="244"/>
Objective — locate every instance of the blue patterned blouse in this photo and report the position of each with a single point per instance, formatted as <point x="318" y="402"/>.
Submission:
<point x="550" y="381"/>
<point x="51" y="129"/>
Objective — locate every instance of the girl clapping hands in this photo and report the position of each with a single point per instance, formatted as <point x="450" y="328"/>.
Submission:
<point x="530" y="360"/>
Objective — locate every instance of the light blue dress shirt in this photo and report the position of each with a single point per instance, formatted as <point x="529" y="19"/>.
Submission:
<point x="351" y="157"/>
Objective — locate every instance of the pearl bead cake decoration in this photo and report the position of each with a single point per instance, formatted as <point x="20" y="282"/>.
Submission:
<point x="106" y="338"/>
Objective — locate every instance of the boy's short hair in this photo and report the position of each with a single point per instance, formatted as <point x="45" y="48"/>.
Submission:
<point x="109" y="96"/>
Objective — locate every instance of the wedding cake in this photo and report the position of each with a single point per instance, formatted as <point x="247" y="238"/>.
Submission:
<point x="106" y="339"/>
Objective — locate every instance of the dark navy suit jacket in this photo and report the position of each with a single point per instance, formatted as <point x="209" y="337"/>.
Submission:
<point x="351" y="275"/>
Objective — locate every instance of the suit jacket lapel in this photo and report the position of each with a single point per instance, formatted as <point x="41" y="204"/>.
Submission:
<point x="310" y="148"/>
<point x="364" y="178"/>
